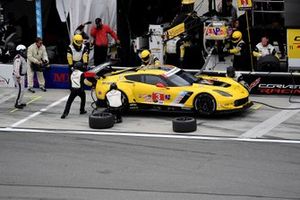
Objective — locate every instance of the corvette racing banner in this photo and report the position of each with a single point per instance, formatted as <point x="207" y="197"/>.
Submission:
<point x="279" y="84"/>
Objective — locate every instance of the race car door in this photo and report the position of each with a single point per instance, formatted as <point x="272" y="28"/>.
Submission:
<point x="152" y="89"/>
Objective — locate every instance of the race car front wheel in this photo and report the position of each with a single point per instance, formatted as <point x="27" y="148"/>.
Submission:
<point x="205" y="104"/>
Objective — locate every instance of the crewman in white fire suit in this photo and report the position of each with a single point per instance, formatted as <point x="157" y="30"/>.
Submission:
<point x="19" y="72"/>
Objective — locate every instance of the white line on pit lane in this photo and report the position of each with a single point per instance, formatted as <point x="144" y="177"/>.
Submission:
<point x="190" y="137"/>
<point x="267" y="125"/>
<point x="39" y="112"/>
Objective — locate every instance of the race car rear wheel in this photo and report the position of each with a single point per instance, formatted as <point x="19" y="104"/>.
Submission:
<point x="184" y="124"/>
<point x="125" y="103"/>
<point x="100" y="120"/>
<point x="205" y="104"/>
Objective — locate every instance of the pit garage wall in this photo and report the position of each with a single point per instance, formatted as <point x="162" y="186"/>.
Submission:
<point x="263" y="82"/>
<point x="201" y="6"/>
<point x="81" y="11"/>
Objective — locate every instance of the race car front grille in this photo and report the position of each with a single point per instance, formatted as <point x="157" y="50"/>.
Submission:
<point x="240" y="102"/>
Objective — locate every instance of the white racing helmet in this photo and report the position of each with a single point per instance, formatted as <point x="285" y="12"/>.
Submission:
<point x="20" y="47"/>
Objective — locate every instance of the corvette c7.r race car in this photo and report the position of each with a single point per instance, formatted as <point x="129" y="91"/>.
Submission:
<point x="167" y="87"/>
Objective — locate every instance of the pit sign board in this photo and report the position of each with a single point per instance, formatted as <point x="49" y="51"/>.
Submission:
<point x="293" y="48"/>
<point x="244" y="4"/>
<point x="216" y="32"/>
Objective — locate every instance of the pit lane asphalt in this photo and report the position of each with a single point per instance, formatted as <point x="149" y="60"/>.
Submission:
<point x="45" y="108"/>
<point x="38" y="166"/>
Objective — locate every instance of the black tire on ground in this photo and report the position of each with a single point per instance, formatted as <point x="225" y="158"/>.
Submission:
<point x="100" y="120"/>
<point x="184" y="124"/>
<point x="205" y="104"/>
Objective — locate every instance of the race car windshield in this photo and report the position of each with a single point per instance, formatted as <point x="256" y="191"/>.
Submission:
<point x="182" y="78"/>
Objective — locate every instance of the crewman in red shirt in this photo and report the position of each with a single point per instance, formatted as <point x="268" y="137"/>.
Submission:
<point x="99" y="33"/>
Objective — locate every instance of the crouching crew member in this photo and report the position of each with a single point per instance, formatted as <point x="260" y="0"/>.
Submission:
<point x="114" y="102"/>
<point x="19" y="72"/>
<point x="148" y="58"/>
<point x="230" y="72"/>
<point x="77" y="89"/>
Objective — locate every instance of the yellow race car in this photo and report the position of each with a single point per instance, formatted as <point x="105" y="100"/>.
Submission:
<point x="167" y="87"/>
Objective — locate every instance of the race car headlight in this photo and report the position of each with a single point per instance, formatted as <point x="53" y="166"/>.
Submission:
<point x="225" y="94"/>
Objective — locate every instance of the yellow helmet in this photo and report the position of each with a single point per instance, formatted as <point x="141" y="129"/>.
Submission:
<point x="236" y="36"/>
<point x="145" y="55"/>
<point x="187" y="1"/>
<point x="77" y="40"/>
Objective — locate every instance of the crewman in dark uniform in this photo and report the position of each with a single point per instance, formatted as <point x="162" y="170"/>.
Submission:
<point x="77" y="89"/>
<point x="240" y="52"/>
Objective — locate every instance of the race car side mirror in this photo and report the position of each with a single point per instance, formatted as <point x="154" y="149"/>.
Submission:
<point x="160" y="85"/>
<point x="89" y="74"/>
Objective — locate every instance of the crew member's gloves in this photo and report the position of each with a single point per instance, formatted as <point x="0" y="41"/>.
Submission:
<point x="118" y="43"/>
<point x="71" y="67"/>
<point x="225" y="50"/>
<point x="85" y="67"/>
<point x="45" y="63"/>
<point x="257" y="54"/>
<point x="80" y="27"/>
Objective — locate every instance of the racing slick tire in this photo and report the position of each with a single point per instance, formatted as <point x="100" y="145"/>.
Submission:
<point x="268" y="63"/>
<point x="101" y="120"/>
<point x="205" y="104"/>
<point x="184" y="124"/>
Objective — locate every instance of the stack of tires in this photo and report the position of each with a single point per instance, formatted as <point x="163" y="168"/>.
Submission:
<point x="101" y="120"/>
